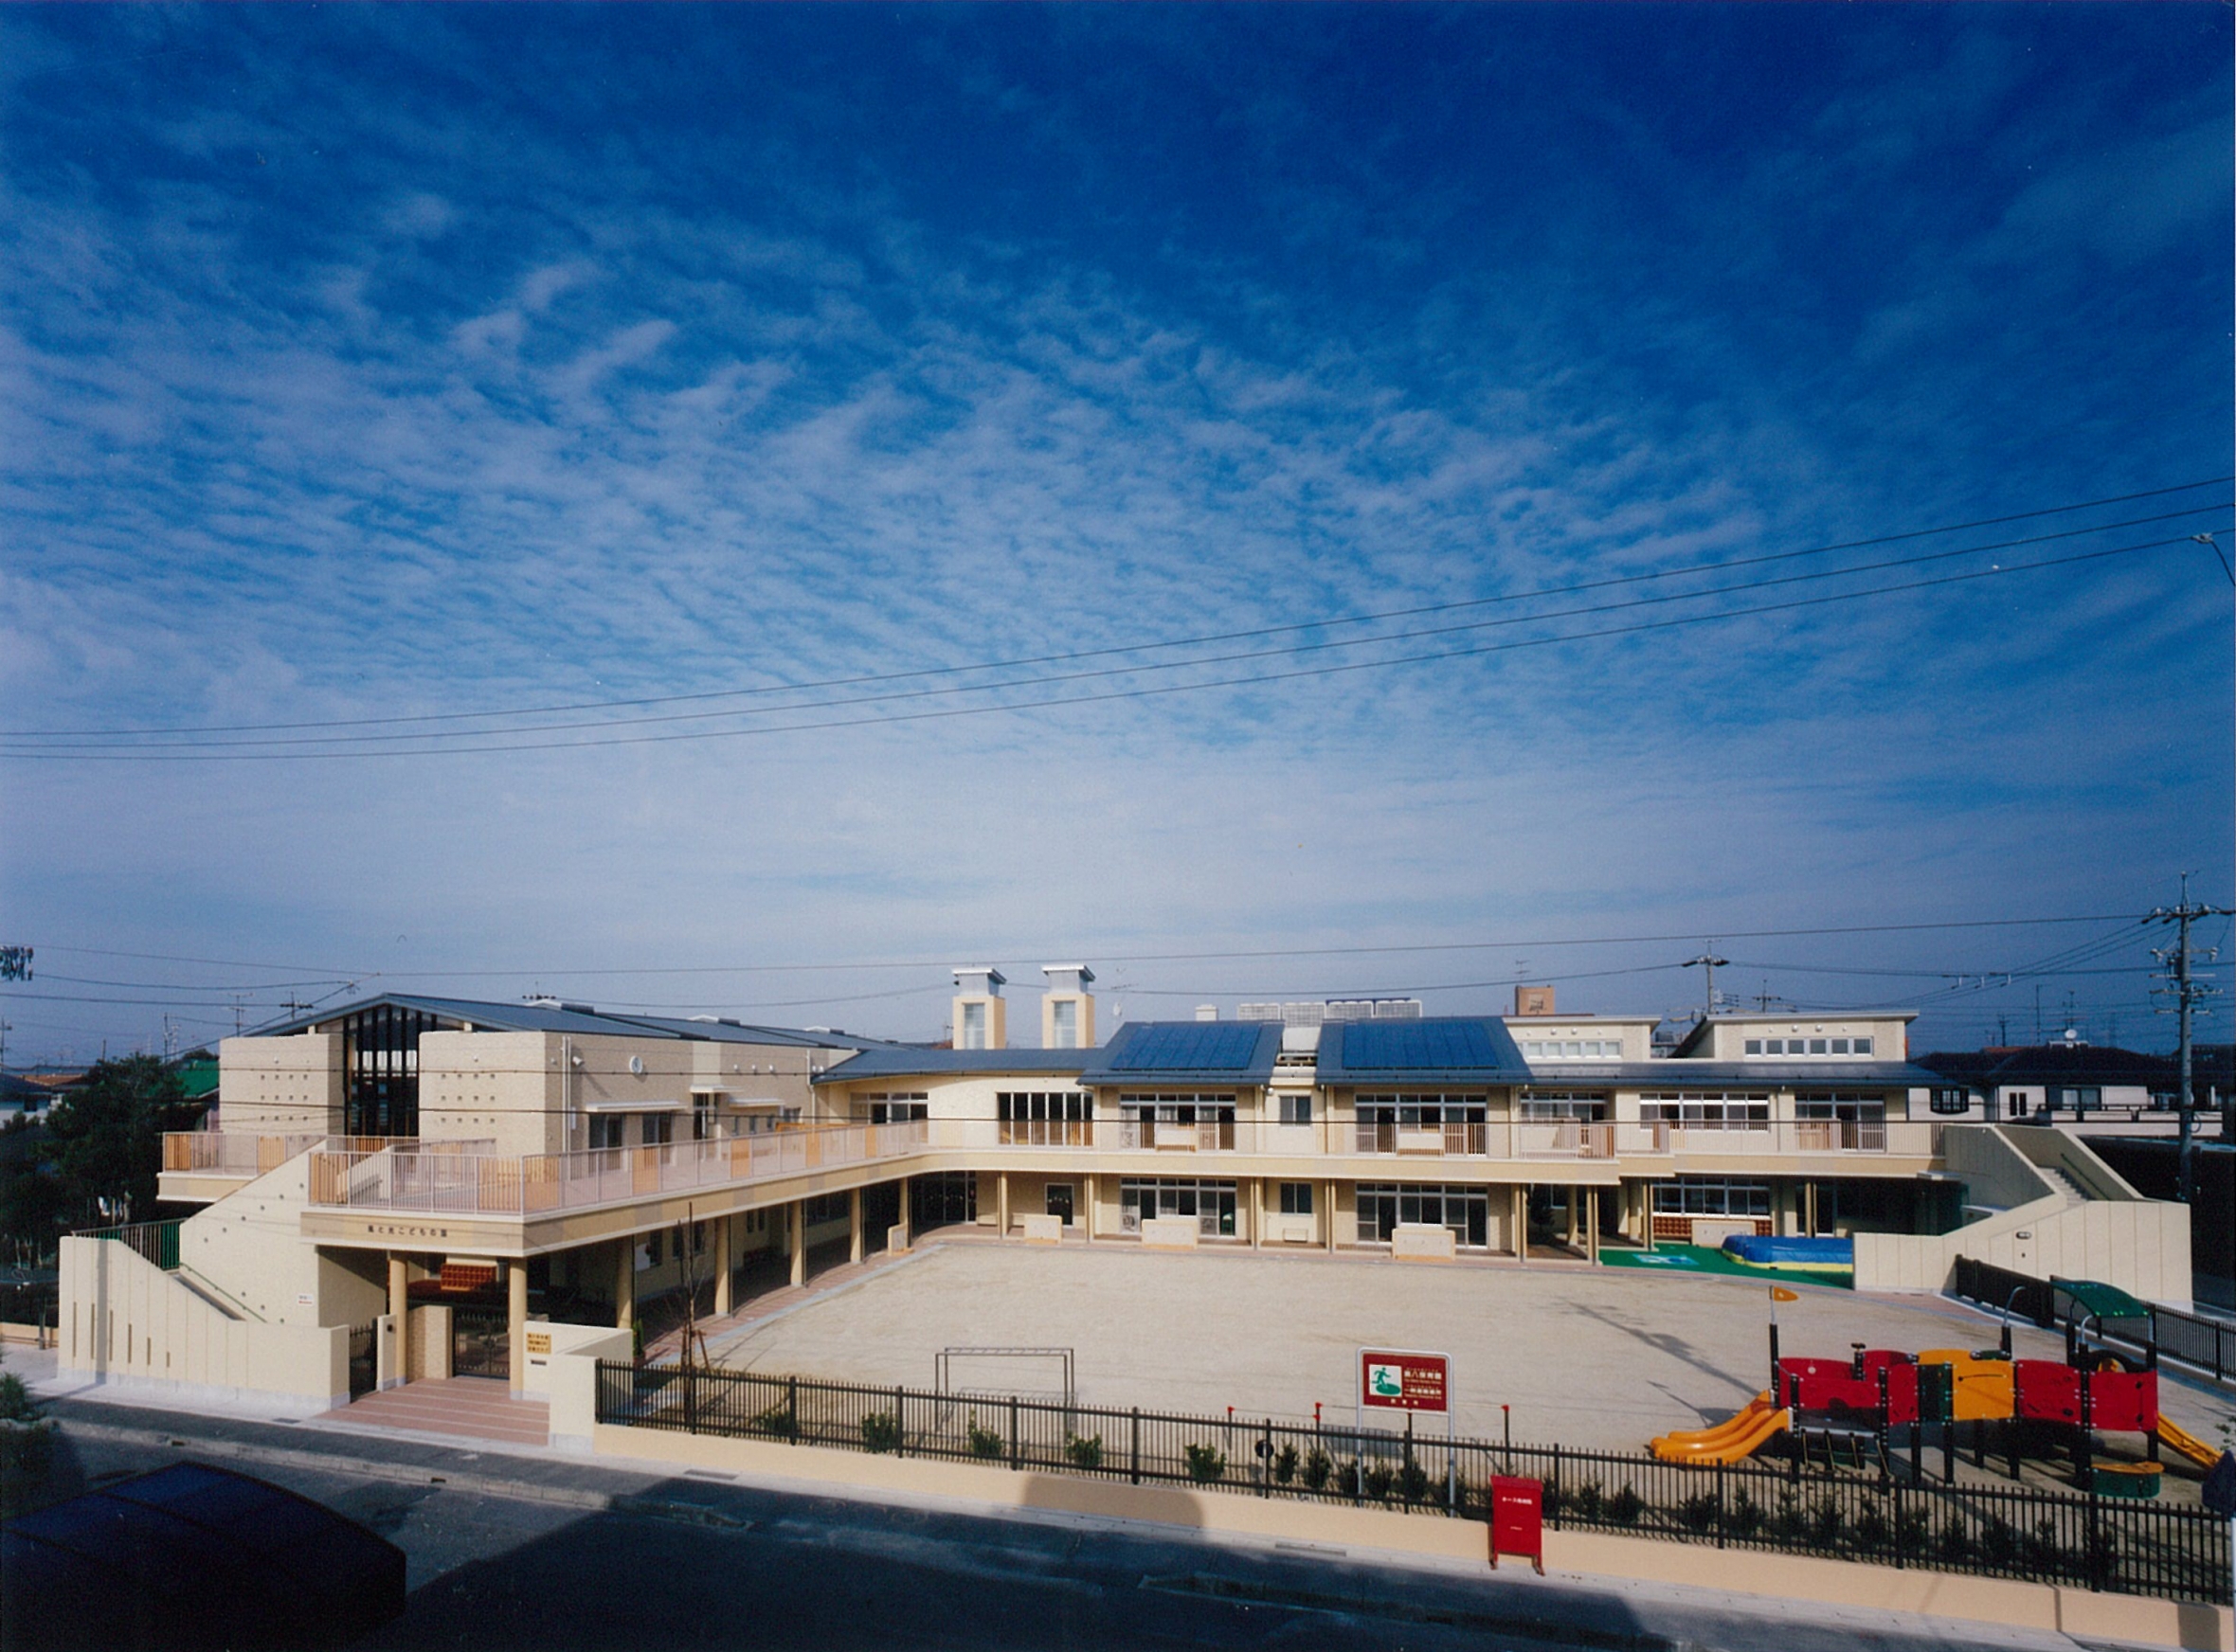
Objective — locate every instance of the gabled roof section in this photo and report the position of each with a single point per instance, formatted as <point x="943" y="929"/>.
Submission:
<point x="1217" y="1053"/>
<point x="578" y="1019"/>
<point x="1447" y="1049"/>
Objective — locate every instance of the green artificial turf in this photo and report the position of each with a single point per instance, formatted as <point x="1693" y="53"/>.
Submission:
<point x="1696" y="1259"/>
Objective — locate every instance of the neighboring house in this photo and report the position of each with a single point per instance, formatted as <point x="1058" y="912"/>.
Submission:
<point x="2090" y="1086"/>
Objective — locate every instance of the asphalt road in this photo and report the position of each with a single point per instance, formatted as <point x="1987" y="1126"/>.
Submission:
<point x="555" y="1555"/>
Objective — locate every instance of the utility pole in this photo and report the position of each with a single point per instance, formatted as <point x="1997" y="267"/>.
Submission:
<point x="2188" y="995"/>
<point x="1710" y="962"/>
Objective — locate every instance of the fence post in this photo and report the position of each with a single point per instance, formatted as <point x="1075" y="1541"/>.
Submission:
<point x="1016" y="1461"/>
<point x="1720" y="1504"/>
<point x="1897" y="1534"/>
<point x="792" y="1406"/>
<point x="900" y="1422"/>
<point x="690" y="1394"/>
<point x="1137" y="1444"/>
<point x="2091" y="1542"/>
<point x="1266" y="1462"/>
<point x="1556" y="1499"/>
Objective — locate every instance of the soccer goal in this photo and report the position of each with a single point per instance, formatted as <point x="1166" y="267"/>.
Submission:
<point x="1026" y="1373"/>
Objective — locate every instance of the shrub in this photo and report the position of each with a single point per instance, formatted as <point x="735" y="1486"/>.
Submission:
<point x="1086" y="1453"/>
<point x="1379" y="1480"/>
<point x="26" y="1453"/>
<point x="1412" y="1480"/>
<point x="777" y="1421"/>
<point x="983" y="1441"/>
<point x="1954" y="1543"/>
<point x="1998" y="1542"/>
<point x="1698" y="1514"/>
<point x="15" y="1400"/>
<point x="1588" y="1501"/>
<point x="1744" y="1517"/>
<point x="1788" y="1521"/>
<point x="1625" y="1507"/>
<point x="1284" y="1461"/>
<point x="1205" y="1463"/>
<point x="1870" y="1528"/>
<point x="1318" y="1467"/>
<point x="881" y="1431"/>
<point x="1824" y="1524"/>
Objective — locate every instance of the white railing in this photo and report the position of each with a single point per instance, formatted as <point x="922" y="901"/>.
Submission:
<point x="232" y="1153"/>
<point x="428" y="1177"/>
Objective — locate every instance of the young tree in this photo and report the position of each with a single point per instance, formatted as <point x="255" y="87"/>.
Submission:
<point x="104" y="1139"/>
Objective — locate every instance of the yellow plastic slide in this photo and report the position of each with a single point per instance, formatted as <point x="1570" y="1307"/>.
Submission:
<point x="1727" y="1442"/>
<point x="2196" y="1450"/>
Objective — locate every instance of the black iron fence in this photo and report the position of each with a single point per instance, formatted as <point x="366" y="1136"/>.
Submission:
<point x="1891" y="1518"/>
<point x="2205" y="1345"/>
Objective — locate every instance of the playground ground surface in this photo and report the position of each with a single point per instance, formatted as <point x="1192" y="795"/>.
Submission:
<point x="1593" y="1357"/>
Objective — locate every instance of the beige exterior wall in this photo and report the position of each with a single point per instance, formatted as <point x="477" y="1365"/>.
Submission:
<point x="281" y="1087"/>
<point x="248" y="1251"/>
<point x="1635" y="1033"/>
<point x="1728" y="1035"/>
<point x="125" y="1320"/>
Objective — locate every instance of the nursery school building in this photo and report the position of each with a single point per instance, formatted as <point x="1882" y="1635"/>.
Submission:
<point x="421" y="1186"/>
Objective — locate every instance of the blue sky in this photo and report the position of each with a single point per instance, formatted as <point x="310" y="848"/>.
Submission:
<point x="385" y="363"/>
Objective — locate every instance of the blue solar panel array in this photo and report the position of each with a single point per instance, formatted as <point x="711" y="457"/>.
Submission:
<point x="1188" y="1046"/>
<point x="1417" y="1046"/>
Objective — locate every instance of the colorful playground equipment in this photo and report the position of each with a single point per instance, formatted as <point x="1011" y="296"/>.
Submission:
<point x="1872" y="1405"/>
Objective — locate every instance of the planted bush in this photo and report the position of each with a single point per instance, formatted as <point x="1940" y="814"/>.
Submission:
<point x="1698" y="1514"/>
<point x="1379" y="1480"/>
<point x="1587" y="1501"/>
<point x="1318" y="1467"/>
<point x="1625" y="1507"/>
<point x="983" y="1441"/>
<point x="881" y="1431"/>
<point x="1086" y="1453"/>
<point x="777" y="1421"/>
<point x="1412" y="1480"/>
<point x="1205" y="1463"/>
<point x="1284" y="1461"/>
<point x="1744" y="1516"/>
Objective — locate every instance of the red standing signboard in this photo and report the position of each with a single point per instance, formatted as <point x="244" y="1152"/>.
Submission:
<point x="1397" y="1379"/>
<point x="1518" y="1519"/>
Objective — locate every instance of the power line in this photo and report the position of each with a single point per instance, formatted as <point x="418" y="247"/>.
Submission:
<point x="190" y="753"/>
<point x="1203" y="640"/>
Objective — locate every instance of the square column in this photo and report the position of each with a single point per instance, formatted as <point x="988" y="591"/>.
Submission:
<point x="723" y="1266"/>
<point x="1329" y="1187"/>
<point x="853" y="1225"/>
<point x="625" y="1282"/>
<point x="907" y="1236"/>
<point x="1592" y="1224"/>
<point x="796" y="1231"/>
<point x="1521" y="1209"/>
<point x="1258" y="1212"/>
<point x="1002" y="1205"/>
<point x="516" y="1324"/>
<point x="1089" y="1214"/>
<point x="398" y="1293"/>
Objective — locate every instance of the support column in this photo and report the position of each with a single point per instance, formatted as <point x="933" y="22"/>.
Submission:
<point x="795" y="1234"/>
<point x="1521" y="1224"/>
<point x="516" y="1324"/>
<point x="1258" y="1212"/>
<point x="1330" y="1207"/>
<point x="1809" y="1209"/>
<point x="625" y="1282"/>
<point x="1568" y="1203"/>
<point x="1002" y="1205"/>
<point x="398" y="1292"/>
<point x="1091" y="1187"/>
<point x="853" y="1225"/>
<point x="908" y="1231"/>
<point x="724" y="1265"/>
<point x="1592" y="1224"/>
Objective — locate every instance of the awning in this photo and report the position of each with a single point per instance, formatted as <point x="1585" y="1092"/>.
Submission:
<point x="2106" y="1302"/>
<point x="759" y="1103"/>
<point x="609" y="1106"/>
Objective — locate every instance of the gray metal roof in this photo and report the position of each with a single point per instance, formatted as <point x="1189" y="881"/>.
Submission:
<point x="529" y="1018"/>
<point x="892" y="1061"/>
<point x="1679" y="1072"/>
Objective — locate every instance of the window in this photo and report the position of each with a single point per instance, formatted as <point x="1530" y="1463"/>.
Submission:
<point x="1589" y="1105"/>
<point x="1046" y="1118"/>
<point x="1211" y="1203"/>
<point x="1952" y="1099"/>
<point x="1203" y="1122"/>
<point x="1296" y="1198"/>
<point x="1296" y="1110"/>
<point x="974" y="1027"/>
<point x="1465" y="1209"/>
<point x="702" y="1116"/>
<point x="823" y="1207"/>
<point x="1064" y="1013"/>
<point x="1706" y="1109"/>
<point x="1809" y="1047"/>
<point x="1705" y="1195"/>
<point x="2079" y="1099"/>
<point x="1572" y="1049"/>
<point x="660" y="1129"/>
<point x="897" y="1107"/>
<point x="652" y="1249"/>
<point x="608" y="1130"/>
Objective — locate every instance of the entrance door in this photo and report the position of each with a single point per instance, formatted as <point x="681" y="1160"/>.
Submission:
<point x="481" y="1342"/>
<point x="1059" y="1200"/>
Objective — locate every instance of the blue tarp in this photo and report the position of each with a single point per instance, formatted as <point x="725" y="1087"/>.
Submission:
<point x="1791" y="1253"/>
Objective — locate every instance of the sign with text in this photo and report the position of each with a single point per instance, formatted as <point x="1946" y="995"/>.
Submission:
<point x="1399" y="1380"/>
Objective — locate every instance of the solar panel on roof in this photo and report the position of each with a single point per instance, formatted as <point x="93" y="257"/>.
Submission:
<point x="1188" y="1046"/>
<point x="1417" y="1046"/>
